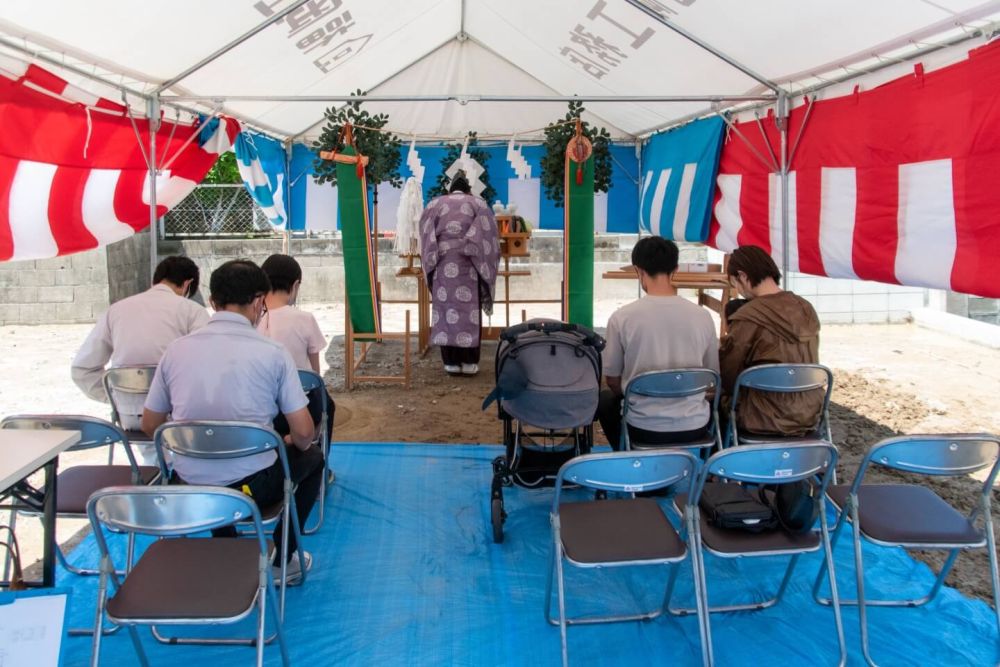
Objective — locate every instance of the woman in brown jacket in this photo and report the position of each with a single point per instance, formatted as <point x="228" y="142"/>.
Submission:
<point x="774" y="326"/>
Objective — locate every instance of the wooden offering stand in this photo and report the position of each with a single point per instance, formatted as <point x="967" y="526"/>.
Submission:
<point x="714" y="278"/>
<point x="512" y="244"/>
<point x="423" y="300"/>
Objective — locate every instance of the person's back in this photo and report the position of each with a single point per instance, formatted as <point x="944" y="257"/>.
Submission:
<point x="135" y="332"/>
<point x="296" y="329"/>
<point x="658" y="333"/>
<point x="774" y="326"/>
<point x="225" y="371"/>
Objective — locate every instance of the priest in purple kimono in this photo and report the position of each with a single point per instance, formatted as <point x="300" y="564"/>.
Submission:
<point x="460" y="253"/>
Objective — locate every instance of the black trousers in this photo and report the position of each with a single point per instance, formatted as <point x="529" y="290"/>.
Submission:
<point x="456" y="356"/>
<point x="316" y="396"/>
<point x="609" y="414"/>
<point x="266" y="487"/>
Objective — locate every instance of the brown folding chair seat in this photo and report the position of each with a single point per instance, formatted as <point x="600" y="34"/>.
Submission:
<point x="184" y="577"/>
<point x="907" y="514"/>
<point x="75" y="485"/>
<point x="624" y="530"/>
<point x="775" y="541"/>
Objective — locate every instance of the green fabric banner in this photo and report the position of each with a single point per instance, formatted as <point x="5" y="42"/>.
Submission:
<point x="578" y="244"/>
<point x="359" y="274"/>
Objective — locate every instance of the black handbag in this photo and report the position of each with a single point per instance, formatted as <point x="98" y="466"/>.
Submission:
<point x="733" y="507"/>
<point x="795" y="505"/>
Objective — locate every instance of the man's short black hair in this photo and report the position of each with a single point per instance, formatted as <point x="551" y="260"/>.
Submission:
<point x="237" y="283"/>
<point x="283" y="272"/>
<point x="176" y="270"/>
<point x="655" y="255"/>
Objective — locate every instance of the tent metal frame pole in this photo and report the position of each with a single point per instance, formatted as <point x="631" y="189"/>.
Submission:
<point x="705" y="45"/>
<point x="781" y="117"/>
<point x="465" y="99"/>
<point x="153" y="111"/>
<point x="229" y="47"/>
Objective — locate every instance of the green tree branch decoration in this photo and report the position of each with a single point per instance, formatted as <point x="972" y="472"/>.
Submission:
<point x="557" y="135"/>
<point x="477" y="154"/>
<point x="382" y="148"/>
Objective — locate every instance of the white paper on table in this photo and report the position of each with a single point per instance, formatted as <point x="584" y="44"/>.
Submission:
<point x="31" y="627"/>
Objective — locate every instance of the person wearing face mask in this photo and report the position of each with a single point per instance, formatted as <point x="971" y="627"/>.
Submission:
<point x="773" y="327"/>
<point x="228" y="371"/>
<point x="135" y="331"/>
<point x="659" y="331"/>
<point x="296" y="329"/>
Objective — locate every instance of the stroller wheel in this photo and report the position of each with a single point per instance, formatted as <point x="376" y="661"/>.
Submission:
<point x="496" y="518"/>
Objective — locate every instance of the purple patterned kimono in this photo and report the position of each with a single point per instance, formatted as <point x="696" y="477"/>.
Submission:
<point x="460" y="253"/>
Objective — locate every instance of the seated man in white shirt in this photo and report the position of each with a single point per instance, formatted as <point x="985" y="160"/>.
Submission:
<point x="660" y="331"/>
<point x="135" y="331"/>
<point x="228" y="371"/>
<point x="296" y="329"/>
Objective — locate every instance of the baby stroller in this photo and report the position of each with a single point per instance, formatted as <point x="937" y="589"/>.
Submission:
<point x="548" y="376"/>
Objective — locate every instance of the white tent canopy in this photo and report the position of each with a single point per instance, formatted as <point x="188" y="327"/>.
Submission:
<point x="277" y="64"/>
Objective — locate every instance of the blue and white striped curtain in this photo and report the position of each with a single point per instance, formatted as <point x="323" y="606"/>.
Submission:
<point x="678" y="180"/>
<point x="263" y="167"/>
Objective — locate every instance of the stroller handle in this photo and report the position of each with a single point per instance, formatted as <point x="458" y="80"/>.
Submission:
<point x="590" y="338"/>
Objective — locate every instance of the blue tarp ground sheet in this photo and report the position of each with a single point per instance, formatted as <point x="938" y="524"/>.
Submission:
<point x="406" y="573"/>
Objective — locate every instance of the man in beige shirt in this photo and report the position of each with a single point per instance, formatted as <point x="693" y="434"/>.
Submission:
<point x="659" y="331"/>
<point x="135" y="332"/>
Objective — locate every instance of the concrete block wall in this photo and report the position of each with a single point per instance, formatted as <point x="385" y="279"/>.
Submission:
<point x="128" y="267"/>
<point x="59" y="290"/>
<point x="842" y="301"/>
<point x="974" y="307"/>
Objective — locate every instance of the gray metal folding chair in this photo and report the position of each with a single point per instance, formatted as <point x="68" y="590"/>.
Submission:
<point x="131" y="381"/>
<point x="766" y="463"/>
<point x="912" y="516"/>
<point x="620" y="532"/>
<point x="74" y="484"/>
<point x="784" y="379"/>
<point x="171" y="582"/>
<point x="231" y="440"/>
<point x="314" y="382"/>
<point x="675" y="384"/>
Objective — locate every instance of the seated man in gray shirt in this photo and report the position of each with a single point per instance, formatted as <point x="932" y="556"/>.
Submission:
<point x="228" y="371"/>
<point x="660" y="331"/>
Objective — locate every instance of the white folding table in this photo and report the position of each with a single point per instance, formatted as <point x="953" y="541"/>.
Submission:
<point x="23" y="452"/>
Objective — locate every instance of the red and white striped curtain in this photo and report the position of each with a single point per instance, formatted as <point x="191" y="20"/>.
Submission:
<point x="73" y="174"/>
<point x="899" y="184"/>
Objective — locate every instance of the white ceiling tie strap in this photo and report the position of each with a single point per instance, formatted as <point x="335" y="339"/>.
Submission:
<point x="90" y="127"/>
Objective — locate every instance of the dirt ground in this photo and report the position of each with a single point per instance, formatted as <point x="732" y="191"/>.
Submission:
<point x="889" y="379"/>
